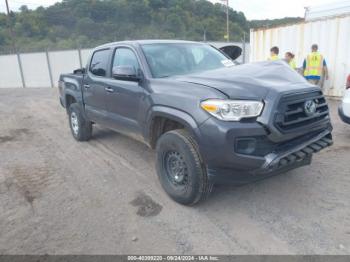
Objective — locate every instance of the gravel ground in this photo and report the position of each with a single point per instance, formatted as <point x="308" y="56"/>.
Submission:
<point x="58" y="196"/>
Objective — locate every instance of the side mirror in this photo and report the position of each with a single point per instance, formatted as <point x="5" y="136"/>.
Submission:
<point x="127" y="73"/>
<point x="79" y="71"/>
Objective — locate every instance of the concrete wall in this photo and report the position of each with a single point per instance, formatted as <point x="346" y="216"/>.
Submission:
<point x="35" y="70"/>
<point x="63" y="62"/>
<point x="37" y="66"/>
<point x="10" y="75"/>
<point x="39" y="69"/>
<point x="332" y="35"/>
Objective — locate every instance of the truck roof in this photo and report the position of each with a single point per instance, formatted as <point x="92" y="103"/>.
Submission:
<point x="142" y="42"/>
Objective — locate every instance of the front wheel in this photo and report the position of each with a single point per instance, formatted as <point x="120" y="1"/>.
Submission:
<point x="81" y="127"/>
<point x="180" y="169"/>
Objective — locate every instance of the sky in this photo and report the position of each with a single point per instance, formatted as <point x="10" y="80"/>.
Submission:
<point x="32" y="4"/>
<point x="271" y="9"/>
<point x="253" y="9"/>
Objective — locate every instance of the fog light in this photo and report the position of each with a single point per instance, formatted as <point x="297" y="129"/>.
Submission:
<point x="245" y="146"/>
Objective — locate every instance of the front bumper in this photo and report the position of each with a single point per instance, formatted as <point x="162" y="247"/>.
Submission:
<point x="342" y="116"/>
<point x="224" y="165"/>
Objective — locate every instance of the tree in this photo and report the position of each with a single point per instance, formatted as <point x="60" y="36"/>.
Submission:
<point x="70" y="23"/>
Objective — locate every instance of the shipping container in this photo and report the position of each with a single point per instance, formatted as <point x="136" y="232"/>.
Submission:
<point x="332" y="36"/>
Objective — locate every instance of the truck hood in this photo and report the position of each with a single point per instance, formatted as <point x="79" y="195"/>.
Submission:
<point x="250" y="81"/>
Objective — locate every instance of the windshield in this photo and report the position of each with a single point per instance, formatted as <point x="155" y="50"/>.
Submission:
<point x="167" y="60"/>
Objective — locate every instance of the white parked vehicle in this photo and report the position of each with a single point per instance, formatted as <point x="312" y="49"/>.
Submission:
<point x="344" y="108"/>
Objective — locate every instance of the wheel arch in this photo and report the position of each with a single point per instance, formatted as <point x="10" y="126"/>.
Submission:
<point x="71" y="97"/>
<point x="176" y="116"/>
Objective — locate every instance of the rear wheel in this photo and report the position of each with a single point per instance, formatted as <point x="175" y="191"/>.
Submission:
<point x="81" y="127"/>
<point x="180" y="169"/>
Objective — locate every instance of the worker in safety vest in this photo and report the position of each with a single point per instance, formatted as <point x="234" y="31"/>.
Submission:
<point x="315" y="66"/>
<point x="274" y="51"/>
<point x="289" y="57"/>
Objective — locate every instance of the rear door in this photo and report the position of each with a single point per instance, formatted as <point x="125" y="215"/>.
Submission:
<point x="95" y="87"/>
<point x="124" y="96"/>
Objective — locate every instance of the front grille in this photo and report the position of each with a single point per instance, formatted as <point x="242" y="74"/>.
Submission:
<point x="291" y="112"/>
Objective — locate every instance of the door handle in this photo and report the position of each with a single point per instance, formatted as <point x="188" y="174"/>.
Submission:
<point x="109" y="89"/>
<point x="86" y="86"/>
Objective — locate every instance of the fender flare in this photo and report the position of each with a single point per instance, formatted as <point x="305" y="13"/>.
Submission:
<point x="72" y="87"/>
<point x="171" y="113"/>
<point x="76" y="96"/>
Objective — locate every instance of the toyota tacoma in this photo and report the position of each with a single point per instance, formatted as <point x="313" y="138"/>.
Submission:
<point x="209" y="120"/>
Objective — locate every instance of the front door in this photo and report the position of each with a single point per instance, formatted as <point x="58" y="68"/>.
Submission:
<point x="124" y="96"/>
<point x="94" y="86"/>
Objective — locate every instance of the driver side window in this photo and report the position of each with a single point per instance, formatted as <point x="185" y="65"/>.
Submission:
<point x="125" y="57"/>
<point x="99" y="62"/>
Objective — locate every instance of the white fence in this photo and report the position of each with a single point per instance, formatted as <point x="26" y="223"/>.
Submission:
<point x="44" y="68"/>
<point x="39" y="69"/>
<point x="332" y="36"/>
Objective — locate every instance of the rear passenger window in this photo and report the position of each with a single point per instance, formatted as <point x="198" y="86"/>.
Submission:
<point x="99" y="62"/>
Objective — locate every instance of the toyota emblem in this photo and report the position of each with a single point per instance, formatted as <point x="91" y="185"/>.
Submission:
<point x="310" y="107"/>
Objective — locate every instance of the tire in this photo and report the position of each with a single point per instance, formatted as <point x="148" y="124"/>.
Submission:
<point x="81" y="127"/>
<point x="180" y="169"/>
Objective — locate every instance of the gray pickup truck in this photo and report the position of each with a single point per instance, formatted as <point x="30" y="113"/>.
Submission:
<point x="210" y="120"/>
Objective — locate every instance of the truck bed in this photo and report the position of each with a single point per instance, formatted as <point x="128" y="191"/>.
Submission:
<point x="70" y="84"/>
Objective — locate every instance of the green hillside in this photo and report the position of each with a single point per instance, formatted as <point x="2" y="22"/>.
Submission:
<point x="87" y="23"/>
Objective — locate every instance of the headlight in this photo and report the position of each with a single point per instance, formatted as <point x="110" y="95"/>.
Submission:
<point x="232" y="110"/>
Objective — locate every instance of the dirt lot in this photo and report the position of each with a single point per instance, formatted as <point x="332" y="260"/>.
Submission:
<point x="58" y="196"/>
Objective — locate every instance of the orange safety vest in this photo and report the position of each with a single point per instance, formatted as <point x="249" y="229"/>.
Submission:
<point x="314" y="64"/>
